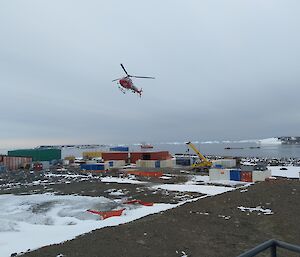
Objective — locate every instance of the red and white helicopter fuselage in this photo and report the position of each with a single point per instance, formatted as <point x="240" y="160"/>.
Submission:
<point x="127" y="84"/>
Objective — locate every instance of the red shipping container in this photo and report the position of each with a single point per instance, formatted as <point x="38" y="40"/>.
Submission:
<point x="134" y="156"/>
<point x="246" y="176"/>
<point x="107" y="156"/>
<point x="162" y="155"/>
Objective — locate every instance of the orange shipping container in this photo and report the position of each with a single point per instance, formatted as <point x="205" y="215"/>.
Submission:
<point x="246" y="176"/>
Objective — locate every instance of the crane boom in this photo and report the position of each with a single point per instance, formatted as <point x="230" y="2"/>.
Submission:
<point x="205" y="163"/>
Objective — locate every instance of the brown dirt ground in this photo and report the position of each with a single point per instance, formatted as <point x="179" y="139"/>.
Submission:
<point x="224" y="231"/>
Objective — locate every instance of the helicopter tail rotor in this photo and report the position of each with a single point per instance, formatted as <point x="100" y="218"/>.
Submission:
<point x="140" y="92"/>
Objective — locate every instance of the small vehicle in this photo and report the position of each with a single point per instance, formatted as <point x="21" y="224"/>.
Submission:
<point x="127" y="84"/>
<point x="283" y="168"/>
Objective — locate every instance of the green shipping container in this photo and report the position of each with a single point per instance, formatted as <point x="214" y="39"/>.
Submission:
<point x="37" y="154"/>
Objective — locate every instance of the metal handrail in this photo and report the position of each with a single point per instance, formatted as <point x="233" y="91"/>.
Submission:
<point x="272" y="245"/>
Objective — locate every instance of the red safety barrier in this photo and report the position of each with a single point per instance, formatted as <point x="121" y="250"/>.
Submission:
<point x="139" y="202"/>
<point x="145" y="173"/>
<point x="107" y="214"/>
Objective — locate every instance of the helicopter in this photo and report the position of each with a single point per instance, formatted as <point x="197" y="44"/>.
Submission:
<point x="127" y="84"/>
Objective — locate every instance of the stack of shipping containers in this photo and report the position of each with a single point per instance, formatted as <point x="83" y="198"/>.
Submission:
<point x="247" y="173"/>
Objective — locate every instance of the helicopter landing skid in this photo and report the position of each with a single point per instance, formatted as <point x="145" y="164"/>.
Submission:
<point x="122" y="90"/>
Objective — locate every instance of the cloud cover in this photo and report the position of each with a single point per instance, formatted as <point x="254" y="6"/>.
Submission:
<point x="224" y="70"/>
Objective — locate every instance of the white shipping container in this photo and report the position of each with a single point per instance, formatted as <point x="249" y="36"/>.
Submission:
<point x="169" y="163"/>
<point x="106" y="165"/>
<point x="116" y="163"/>
<point x="91" y="162"/>
<point x="258" y="175"/>
<point x="145" y="163"/>
<point x="226" y="163"/>
<point x="214" y="174"/>
<point x="225" y="174"/>
<point x="219" y="174"/>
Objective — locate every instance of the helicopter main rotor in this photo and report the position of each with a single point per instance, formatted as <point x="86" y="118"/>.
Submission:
<point x="132" y="76"/>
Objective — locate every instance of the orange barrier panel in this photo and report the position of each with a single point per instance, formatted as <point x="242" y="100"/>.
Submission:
<point x="140" y="202"/>
<point x="107" y="214"/>
<point x="145" y="173"/>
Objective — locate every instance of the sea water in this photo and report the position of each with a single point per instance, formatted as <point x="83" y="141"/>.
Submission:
<point x="240" y="149"/>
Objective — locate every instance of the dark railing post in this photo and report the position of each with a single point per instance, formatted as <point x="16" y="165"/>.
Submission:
<point x="272" y="244"/>
<point x="273" y="250"/>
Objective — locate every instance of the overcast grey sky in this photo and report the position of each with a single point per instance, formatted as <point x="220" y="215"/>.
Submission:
<point x="225" y="69"/>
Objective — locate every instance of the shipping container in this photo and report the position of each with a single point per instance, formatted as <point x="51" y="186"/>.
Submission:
<point x="218" y="166"/>
<point x="108" y="156"/>
<point x="247" y="167"/>
<point x="225" y="163"/>
<point x="169" y="163"/>
<point x="260" y="175"/>
<point x="116" y="163"/>
<point x="71" y="158"/>
<point x="14" y="163"/>
<point x="219" y="174"/>
<point x="146" y="163"/>
<point x="157" y="164"/>
<point x="95" y="167"/>
<point x="246" y="176"/>
<point x="119" y="149"/>
<point x="37" y="154"/>
<point x="235" y="175"/>
<point x="132" y="157"/>
<point x="224" y="174"/>
<point x="183" y="161"/>
<point x="161" y="155"/>
<point x="90" y="155"/>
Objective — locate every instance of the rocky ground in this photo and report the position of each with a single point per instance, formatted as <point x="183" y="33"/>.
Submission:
<point x="210" y="227"/>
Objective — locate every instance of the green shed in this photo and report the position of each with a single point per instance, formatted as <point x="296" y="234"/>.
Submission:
<point x="37" y="154"/>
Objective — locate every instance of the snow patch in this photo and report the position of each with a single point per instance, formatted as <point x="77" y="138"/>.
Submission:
<point x="39" y="220"/>
<point x="291" y="172"/>
<point x="256" y="209"/>
<point x="203" y="189"/>
<point x="270" y="141"/>
<point x="121" y="180"/>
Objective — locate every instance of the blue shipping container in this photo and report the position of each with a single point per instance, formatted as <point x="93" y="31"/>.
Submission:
<point x="96" y="166"/>
<point x="218" y="166"/>
<point x="157" y="164"/>
<point x="235" y="175"/>
<point x="111" y="164"/>
<point x="119" y="149"/>
<point x="2" y="168"/>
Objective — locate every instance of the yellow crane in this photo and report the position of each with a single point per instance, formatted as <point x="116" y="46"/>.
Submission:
<point x="205" y="164"/>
